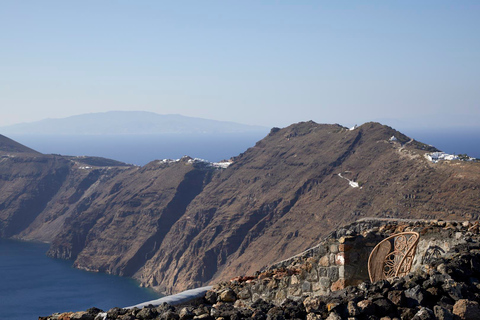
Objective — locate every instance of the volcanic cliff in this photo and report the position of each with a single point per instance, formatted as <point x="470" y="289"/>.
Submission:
<point x="180" y="224"/>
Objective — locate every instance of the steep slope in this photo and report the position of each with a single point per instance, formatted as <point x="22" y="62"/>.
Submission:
<point x="284" y="194"/>
<point x="37" y="192"/>
<point x="126" y="219"/>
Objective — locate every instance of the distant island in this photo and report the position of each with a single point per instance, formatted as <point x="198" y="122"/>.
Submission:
<point x="129" y="122"/>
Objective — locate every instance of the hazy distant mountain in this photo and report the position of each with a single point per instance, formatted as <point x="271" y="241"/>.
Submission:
<point x="128" y="122"/>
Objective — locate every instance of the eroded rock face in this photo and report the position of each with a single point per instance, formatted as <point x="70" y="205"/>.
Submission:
<point x="176" y="226"/>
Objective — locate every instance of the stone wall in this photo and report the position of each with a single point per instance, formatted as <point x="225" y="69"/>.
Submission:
<point x="340" y="260"/>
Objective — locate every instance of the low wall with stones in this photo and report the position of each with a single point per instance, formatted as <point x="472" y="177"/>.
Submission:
<point x="341" y="259"/>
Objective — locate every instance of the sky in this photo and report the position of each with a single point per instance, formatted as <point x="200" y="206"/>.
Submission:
<point x="269" y="63"/>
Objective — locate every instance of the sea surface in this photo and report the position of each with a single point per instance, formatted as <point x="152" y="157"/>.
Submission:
<point x="455" y="141"/>
<point x="141" y="149"/>
<point x="34" y="285"/>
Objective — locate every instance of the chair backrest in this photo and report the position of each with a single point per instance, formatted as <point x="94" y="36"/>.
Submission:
<point x="393" y="256"/>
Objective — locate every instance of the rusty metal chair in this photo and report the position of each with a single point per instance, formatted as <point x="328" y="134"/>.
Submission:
<point x="393" y="256"/>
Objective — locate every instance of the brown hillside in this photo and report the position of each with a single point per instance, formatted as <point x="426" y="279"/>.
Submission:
<point x="281" y="196"/>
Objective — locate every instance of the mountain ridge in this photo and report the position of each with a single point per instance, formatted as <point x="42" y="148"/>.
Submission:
<point x="181" y="224"/>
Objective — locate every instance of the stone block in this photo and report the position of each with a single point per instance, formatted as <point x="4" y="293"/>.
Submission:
<point x="332" y="273"/>
<point x="324" y="261"/>
<point x="322" y="272"/>
<point x="340" y="259"/>
<point x="338" y="285"/>
<point x="334" y="248"/>
<point x="331" y="258"/>
<point x="293" y="291"/>
<point x="306" y="286"/>
<point x="341" y="272"/>
<point x="320" y="251"/>
<point x="312" y="260"/>
<point x="325" y="282"/>
<point x="316" y="286"/>
<point x="294" y="279"/>
<point x="312" y="275"/>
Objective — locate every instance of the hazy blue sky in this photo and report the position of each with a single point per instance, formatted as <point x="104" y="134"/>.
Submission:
<point x="270" y="63"/>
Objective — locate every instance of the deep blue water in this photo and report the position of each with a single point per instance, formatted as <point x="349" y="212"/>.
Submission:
<point x="34" y="285"/>
<point x="450" y="141"/>
<point x="141" y="149"/>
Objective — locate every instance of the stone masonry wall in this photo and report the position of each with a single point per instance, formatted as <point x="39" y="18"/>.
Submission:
<point x="341" y="259"/>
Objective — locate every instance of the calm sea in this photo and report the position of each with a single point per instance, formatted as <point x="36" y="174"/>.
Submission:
<point x="34" y="285"/>
<point x="141" y="149"/>
<point x="454" y="141"/>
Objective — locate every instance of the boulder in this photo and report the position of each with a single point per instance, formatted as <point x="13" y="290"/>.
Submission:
<point x="313" y="304"/>
<point x="186" y="313"/>
<point x="82" y="315"/>
<point x="227" y="295"/>
<point x="467" y="309"/>
<point x="211" y="297"/>
<point x="383" y="306"/>
<point x="442" y="313"/>
<point x="424" y="314"/>
<point x="397" y="297"/>
<point x="147" y="313"/>
<point x="169" y="315"/>
<point x="415" y="296"/>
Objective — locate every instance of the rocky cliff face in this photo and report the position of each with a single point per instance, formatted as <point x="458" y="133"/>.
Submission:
<point x="182" y="224"/>
<point x="281" y="196"/>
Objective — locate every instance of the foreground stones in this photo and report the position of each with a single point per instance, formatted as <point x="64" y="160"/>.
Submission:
<point x="448" y="289"/>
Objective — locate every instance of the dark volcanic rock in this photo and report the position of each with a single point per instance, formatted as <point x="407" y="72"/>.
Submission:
<point x="363" y="301"/>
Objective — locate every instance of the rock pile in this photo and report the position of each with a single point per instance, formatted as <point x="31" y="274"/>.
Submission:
<point x="448" y="289"/>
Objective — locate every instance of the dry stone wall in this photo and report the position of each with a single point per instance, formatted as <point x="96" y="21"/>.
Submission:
<point x="341" y="259"/>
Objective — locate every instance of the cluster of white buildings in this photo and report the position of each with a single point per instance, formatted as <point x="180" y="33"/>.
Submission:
<point x="438" y="156"/>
